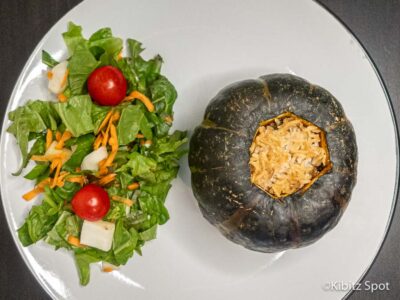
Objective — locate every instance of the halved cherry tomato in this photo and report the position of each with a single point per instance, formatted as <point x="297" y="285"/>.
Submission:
<point x="107" y="86"/>
<point x="91" y="202"/>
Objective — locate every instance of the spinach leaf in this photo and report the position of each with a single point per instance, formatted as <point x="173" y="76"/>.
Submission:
<point x="40" y="220"/>
<point x="163" y="95"/>
<point x="170" y="144"/>
<point x="124" y="242"/>
<point x="83" y="261"/>
<point x="57" y="236"/>
<point x="149" y="234"/>
<point x="48" y="60"/>
<point x="38" y="170"/>
<point x="84" y="145"/>
<point x="129" y="124"/>
<point x="140" y="166"/>
<point x="76" y="114"/>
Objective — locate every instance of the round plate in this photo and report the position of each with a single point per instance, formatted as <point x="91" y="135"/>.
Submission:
<point x="207" y="45"/>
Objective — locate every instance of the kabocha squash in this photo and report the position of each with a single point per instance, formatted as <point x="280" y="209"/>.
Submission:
<point x="273" y="163"/>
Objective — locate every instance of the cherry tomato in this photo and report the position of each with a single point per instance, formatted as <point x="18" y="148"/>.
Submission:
<point x="107" y="85"/>
<point x="91" y="202"/>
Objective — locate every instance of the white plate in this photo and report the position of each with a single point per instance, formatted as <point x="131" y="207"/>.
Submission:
<point x="206" y="45"/>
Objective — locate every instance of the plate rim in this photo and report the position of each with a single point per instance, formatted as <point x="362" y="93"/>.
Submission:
<point x="47" y="287"/>
<point x="396" y="135"/>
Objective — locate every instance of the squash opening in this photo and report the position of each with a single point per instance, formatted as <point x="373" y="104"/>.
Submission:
<point x="287" y="155"/>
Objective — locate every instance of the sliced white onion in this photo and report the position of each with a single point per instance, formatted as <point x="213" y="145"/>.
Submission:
<point x="53" y="151"/>
<point x="58" y="82"/>
<point x="91" y="161"/>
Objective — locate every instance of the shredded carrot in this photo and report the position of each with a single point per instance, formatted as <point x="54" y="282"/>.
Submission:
<point x="133" y="186"/>
<point x="138" y="95"/>
<point x="33" y="193"/>
<point x="58" y="169"/>
<point x="146" y="143"/>
<point x="49" y="138"/>
<point x="44" y="182"/>
<point x="39" y="188"/>
<point x="97" y="142"/>
<point x="126" y="201"/>
<point x="48" y="157"/>
<point x="168" y="119"/>
<point x="106" y="135"/>
<point x="77" y="179"/>
<point x="58" y="136"/>
<point x="61" y="178"/>
<point x="107" y="269"/>
<point x="53" y="165"/>
<point x="77" y="169"/>
<point x="105" y="121"/>
<point x="115" y="117"/>
<point x="119" y="56"/>
<point x="113" y="142"/>
<point x="74" y="241"/>
<point x="139" y="136"/>
<point x="49" y="75"/>
<point x="64" y="80"/>
<point x="62" y="98"/>
<point x="107" y="179"/>
<point x="65" y="137"/>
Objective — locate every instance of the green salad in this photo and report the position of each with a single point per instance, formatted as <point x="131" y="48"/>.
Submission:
<point x="103" y="152"/>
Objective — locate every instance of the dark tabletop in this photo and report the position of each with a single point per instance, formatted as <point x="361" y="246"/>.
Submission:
<point x="376" y="23"/>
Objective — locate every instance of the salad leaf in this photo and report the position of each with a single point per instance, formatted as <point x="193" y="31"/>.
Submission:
<point x="129" y="124"/>
<point x="147" y="70"/>
<point x="81" y="64"/>
<point x="140" y="166"/>
<point x="149" y="234"/>
<point x="48" y="60"/>
<point x="98" y="115"/>
<point x="38" y="170"/>
<point x="73" y="37"/>
<point x="57" y="235"/>
<point x="76" y="114"/>
<point x="163" y="95"/>
<point x="170" y="144"/>
<point x="84" y="145"/>
<point x="124" y="242"/>
<point x="153" y="165"/>
<point x="40" y="220"/>
<point x="26" y="119"/>
<point x="66" y="192"/>
<point x="102" y="41"/>
<point x="83" y="261"/>
<point x="47" y="112"/>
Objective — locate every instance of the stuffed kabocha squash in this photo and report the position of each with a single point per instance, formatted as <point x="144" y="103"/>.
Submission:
<point x="274" y="162"/>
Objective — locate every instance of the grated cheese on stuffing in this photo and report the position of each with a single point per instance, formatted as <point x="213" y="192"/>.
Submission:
<point x="287" y="155"/>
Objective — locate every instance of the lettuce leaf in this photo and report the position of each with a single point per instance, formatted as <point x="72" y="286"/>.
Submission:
<point x="81" y="64"/>
<point x="76" y="115"/>
<point x="33" y="117"/>
<point x="73" y="37"/>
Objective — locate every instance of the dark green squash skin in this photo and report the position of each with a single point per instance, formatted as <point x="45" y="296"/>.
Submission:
<point x="219" y="156"/>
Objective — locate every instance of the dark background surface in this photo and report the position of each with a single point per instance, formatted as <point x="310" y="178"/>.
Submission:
<point x="376" y="23"/>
